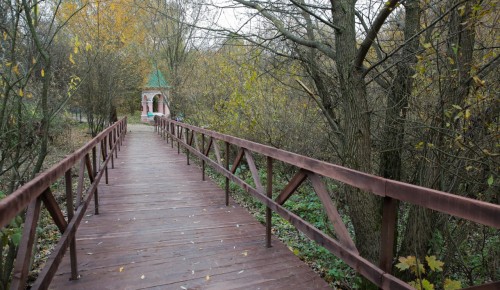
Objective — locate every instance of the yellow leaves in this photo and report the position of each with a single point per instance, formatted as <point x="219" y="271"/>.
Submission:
<point x="461" y="10"/>
<point x="452" y="284"/>
<point x="42" y="73"/>
<point x="434" y="264"/>
<point x="88" y="46"/>
<point x="76" y="46"/>
<point x="21" y="92"/>
<point x="411" y="263"/>
<point x="479" y="82"/>
<point x="15" y="69"/>
<point x="422" y="285"/>
<point x="427" y="45"/>
<point x="71" y="58"/>
<point x="5" y="35"/>
<point x="467" y="114"/>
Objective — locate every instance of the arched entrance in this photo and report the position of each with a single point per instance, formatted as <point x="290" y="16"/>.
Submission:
<point x="155" y="103"/>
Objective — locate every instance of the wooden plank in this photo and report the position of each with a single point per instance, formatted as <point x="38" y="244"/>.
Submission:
<point x="23" y="258"/>
<point x="53" y="208"/>
<point x="332" y="213"/>
<point x="160" y="221"/>
<point x="292" y="186"/>
<point x="254" y="171"/>
<point x="217" y="152"/>
<point x="237" y="160"/>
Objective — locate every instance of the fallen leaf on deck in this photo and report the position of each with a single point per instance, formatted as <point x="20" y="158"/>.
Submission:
<point x="121" y="269"/>
<point x="184" y="288"/>
<point x="142" y="277"/>
<point x="245" y="253"/>
<point x="207" y="278"/>
<point x="241" y="271"/>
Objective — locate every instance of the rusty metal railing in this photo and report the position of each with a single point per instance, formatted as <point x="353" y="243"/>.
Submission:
<point x="311" y="169"/>
<point x="93" y="158"/>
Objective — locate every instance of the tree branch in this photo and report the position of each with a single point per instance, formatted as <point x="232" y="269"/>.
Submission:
<point x="372" y="33"/>
<point x="315" y="15"/>
<point x="288" y="34"/>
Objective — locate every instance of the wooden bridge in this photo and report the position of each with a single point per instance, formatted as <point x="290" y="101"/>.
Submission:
<point x="158" y="223"/>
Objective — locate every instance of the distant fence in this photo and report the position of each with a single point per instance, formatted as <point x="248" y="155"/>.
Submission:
<point x="93" y="158"/>
<point x="308" y="168"/>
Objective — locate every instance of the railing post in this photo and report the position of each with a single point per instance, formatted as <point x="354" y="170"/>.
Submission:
<point x="23" y="258"/>
<point x="104" y="149"/>
<point x="388" y="233"/>
<point x="172" y="134"/>
<point x="71" y="211"/>
<point x="163" y="124"/>
<point x="179" y="135"/>
<point x="269" y="192"/>
<point x="203" y="153"/>
<point x="227" y="178"/>
<point x="94" y="173"/>
<point x="110" y="144"/>
<point x="167" y="130"/>
<point x="187" y="143"/>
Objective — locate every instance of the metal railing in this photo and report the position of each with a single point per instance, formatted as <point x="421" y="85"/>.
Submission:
<point x="390" y="191"/>
<point x="93" y="158"/>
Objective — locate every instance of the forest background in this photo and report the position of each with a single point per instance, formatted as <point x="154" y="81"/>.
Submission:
<point x="407" y="90"/>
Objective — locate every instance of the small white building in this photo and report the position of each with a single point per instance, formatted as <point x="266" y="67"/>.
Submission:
<point x="155" y="97"/>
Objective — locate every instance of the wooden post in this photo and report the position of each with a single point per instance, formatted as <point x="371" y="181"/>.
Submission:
<point x="111" y="139"/>
<point x="94" y="172"/>
<point x="187" y="143"/>
<point x="388" y="233"/>
<point x="179" y="136"/>
<point x="71" y="211"/>
<point x="269" y="192"/>
<point x="105" y="156"/>
<point x="203" y="152"/>
<point x="172" y="134"/>
<point x="227" y="178"/>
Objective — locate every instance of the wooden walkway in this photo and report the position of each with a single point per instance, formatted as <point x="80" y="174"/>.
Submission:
<point x="161" y="227"/>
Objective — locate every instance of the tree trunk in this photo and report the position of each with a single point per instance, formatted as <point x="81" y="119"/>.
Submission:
<point x="422" y="223"/>
<point x="364" y="208"/>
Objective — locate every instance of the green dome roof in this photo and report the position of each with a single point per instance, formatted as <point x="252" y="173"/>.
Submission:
<point x="157" y="80"/>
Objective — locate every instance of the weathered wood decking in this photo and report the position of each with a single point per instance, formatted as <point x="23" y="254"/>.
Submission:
<point x="161" y="227"/>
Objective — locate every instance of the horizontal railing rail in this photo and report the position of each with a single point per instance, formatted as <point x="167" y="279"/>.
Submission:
<point x="391" y="191"/>
<point x="93" y="158"/>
